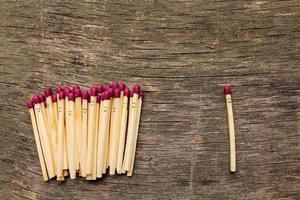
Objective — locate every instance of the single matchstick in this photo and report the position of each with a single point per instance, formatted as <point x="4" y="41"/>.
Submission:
<point x="94" y="173"/>
<point x="115" y="131"/>
<point x="66" y="91"/>
<point x="71" y="137"/>
<point x="60" y="137"/>
<point x="44" y="137"/>
<point x="51" y="121"/>
<point x="136" y="130"/>
<point x="106" y="157"/>
<point x="78" y="121"/>
<point x="91" y="132"/>
<point x="37" y="140"/>
<point x="103" y="126"/>
<point x="131" y="126"/>
<point x="227" y="91"/>
<point x="122" y="130"/>
<point x="84" y="127"/>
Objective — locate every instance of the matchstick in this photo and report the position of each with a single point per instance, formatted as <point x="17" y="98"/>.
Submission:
<point x="131" y="124"/>
<point x="51" y="121"/>
<point x="94" y="173"/>
<point x="71" y="137"/>
<point x="122" y="130"/>
<point x="227" y="91"/>
<point x="44" y="137"/>
<point x="84" y="132"/>
<point x="91" y="132"/>
<point x="60" y="137"/>
<point x="78" y="121"/>
<point x="115" y="132"/>
<point x="66" y="91"/>
<point x="136" y="130"/>
<point x="106" y="157"/>
<point x="37" y="140"/>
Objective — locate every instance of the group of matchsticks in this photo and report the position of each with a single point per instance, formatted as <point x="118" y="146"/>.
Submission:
<point x="85" y="133"/>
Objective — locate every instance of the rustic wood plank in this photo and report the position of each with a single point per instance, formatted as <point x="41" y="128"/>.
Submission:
<point x="182" y="52"/>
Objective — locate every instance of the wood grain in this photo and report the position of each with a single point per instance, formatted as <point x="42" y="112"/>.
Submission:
<point x="182" y="52"/>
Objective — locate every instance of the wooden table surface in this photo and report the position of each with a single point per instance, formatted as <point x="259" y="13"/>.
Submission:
<point x="182" y="53"/>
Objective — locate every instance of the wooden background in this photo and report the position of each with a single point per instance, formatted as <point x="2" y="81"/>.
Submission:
<point x="182" y="52"/>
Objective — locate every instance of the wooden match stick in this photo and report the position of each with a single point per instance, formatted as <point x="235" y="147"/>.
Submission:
<point x="78" y="121"/>
<point x="103" y="134"/>
<point x="131" y="125"/>
<point x="115" y="132"/>
<point x="66" y="91"/>
<point x="60" y="137"/>
<point x="136" y="130"/>
<point x="51" y="121"/>
<point x="122" y="130"/>
<point x="44" y="137"/>
<point x="227" y="91"/>
<point x="91" y="132"/>
<point x="83" y="140"/>
<point x="71" y="137"/>
<point x="106" y="157"/>
<point x="37" y="140"/>
<point x="94" y="173"/>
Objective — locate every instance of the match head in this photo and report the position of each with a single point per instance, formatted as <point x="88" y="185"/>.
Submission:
<point x="77" y="93"/>
<point x="107" y="87"/>
<point x="99" y="88"/>
<point x="93" y="91"/>
<point x="84" y="94"/>
<point x="117" y="93"/>
<point x="61" y="95"/>
<point x="131" y="93"/>
<point x="54" y="98"/>
<point x="106" y="95"/>
<point x="111" y="92"/>
<point x="48" y="91"/>
<point x="36" y="99"/>
<point x="71" y="96"/>
<point x="30" y="103"/>
<point x="126" y="92"/>
<point x="136" y="88"/>
<point x="122" y="86"/>
<point x="75" y="87"/>
<point x="227" y="89"/>
<point x="141" y="95"/>
<point x="42" y="97"/>
<point x="114" y="85"/>
<point x="66" y="90"/>
<point x="58" y="89"/>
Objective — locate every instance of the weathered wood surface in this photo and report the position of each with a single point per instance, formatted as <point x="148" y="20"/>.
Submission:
<point x="182" y="52"/>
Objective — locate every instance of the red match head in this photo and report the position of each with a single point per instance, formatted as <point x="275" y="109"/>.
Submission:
<point x="141" y="95"/>
<point x="42" y="97"/>
<point x="107" y="87"/>
<point x="71" y="96"/>
<point x="117" y="93"/>
<point x="99" y="88"/>
<point x="93" y="91"/>
<point x="122" y="86"/>
<point x="58" y="89"/>
<point x="75" y="87"/>
<point x="136" y="88"/>
<point x="77" y="93"/>
<point x="106" y="95"/>
<point x="114" y="85"/>
<point x="84" y="94"/>
<point x="61" y="95"/>
<point x="126" y="92"/>
<point x="54" y="98"/>
<point x="48" y="91"/>
<point x="30" y="103"/>
<point x="111" y="92"/>
<point x="36" y="99"/>
<point x="66" y="90"/>
<point x="227" y="89"/>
